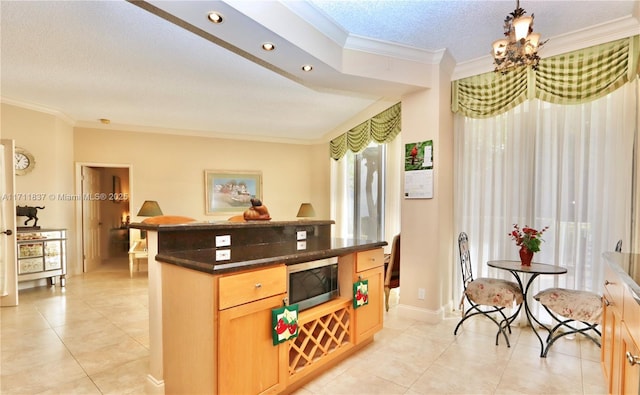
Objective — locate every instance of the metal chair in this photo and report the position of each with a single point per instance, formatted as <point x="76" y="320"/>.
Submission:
<point x="392" y="270"/>
<point x="570" y="308"/>
<point x="487" y="296"/>
<point x="619" y="246"/>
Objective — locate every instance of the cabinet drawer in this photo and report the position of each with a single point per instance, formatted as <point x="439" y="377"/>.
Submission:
<point x="631" y="315"/>
<point x="30" y="250"/>
<point x="30" y="265"/>
<point x="237" y="289"/>
<point x="366" y="260"/>
<point x="614" y="288"/>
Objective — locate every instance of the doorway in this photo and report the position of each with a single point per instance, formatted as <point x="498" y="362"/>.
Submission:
<point x="104" y="216"/>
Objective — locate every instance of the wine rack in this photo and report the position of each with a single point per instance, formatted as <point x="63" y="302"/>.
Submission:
<point x="324" y="333"/>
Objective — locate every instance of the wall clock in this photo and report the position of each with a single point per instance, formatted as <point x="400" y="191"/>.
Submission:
<point x="24" y="161"/>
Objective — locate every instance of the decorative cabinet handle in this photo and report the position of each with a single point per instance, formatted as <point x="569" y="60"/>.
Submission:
<point x="606" y="282"/>
<point x="633" y="359"/>
<point x="8" y="232"/>
<point x="258" y="285"/>
<point x="606" y="302"/>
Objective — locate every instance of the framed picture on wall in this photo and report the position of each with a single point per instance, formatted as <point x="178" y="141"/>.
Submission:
<point x="117" y="190"/>
<point x="228" y="191"/>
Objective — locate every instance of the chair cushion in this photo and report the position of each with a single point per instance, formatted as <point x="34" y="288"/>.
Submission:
<point x="570" y="303"/>
<point x="494" y="292"/>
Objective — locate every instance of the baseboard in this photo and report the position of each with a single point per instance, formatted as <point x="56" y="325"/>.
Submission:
<point x="419" y="314"/>
<point x="154" y="386"/>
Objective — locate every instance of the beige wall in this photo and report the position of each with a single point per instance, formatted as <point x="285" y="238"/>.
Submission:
<point x="170" y="169"/>
<point x="50" y="140"/>
<point x="427" y="224"/>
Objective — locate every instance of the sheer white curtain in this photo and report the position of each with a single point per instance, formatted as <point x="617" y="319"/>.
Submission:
<point x="568" y="167"/>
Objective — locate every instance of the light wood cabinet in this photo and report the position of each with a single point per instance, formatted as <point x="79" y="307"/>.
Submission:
<point x="248" y="362"/>
<point x="610" y="337"/>
<point x="630" y="363"/>
<point x="369" y="318"/>
<point x="620" y="355"/>
<point x="217" y="336"/>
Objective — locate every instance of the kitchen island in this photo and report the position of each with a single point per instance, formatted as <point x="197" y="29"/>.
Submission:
<point x="212" y="289"/>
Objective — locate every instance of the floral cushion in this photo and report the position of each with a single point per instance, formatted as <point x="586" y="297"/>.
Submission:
<point x="577" y="305"/>
<point x="494" y="292"/>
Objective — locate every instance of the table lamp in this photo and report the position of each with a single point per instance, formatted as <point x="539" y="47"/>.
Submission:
<point x="150" y="208"/>
<point x="305" y="211"/>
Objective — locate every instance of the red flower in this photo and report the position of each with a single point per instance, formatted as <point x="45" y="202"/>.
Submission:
<point x="527" y="237"/>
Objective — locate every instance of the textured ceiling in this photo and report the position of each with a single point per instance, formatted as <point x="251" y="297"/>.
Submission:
<point x="89" y="60"/>
<point x="465" y="28"/>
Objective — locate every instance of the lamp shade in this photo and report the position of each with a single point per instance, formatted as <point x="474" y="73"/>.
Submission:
<point x="150" y="208"/>
<point x="521" y="26"/>
<point x="500" y="48"/>
<point x="306" y="210"/>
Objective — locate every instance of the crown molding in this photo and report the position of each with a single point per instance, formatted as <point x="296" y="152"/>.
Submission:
<point x="190" y="133"/>
<point x="319" y="20"/>
<point x="150" y="129"/>
<point x="39" y="108"/>
<point x="394" y="50"/>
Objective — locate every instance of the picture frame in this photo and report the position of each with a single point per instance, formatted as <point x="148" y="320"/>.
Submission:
<point x="230" y="191"/>
<point x="117" y="189"/>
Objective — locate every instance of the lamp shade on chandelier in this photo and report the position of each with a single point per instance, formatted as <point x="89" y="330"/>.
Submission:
<point x="520" y="45"/>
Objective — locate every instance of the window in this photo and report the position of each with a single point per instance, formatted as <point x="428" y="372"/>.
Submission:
<point x="363" y="198"/>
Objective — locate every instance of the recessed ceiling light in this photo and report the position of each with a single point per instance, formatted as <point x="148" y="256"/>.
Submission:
<point x="215" y="17"/>
<point x="105" y="121"/>
<point x="307" y="67"/>
<point x="268" y="46"/>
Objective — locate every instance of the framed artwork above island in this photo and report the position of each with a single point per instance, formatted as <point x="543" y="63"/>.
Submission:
<point x="228" y="191"/>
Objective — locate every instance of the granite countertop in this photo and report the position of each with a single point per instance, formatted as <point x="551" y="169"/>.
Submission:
<point x="260" y="255"/>
<point x="628" y="267"/>
<point x="219" y="225"/>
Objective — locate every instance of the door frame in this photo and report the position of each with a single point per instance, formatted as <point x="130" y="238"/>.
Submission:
<point x="80" y="264"/>
<point x="11" y="299"/>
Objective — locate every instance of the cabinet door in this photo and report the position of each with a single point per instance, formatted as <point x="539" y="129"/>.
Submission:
<point x="610" y="342"/>
<point x="248" y="362"/>
<point x="52" y="255"/>
<point x="630" y="364"/>
<point x="369" y="317"/>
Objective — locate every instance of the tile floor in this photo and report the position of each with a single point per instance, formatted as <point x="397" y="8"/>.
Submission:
<point x="92" y="338"/>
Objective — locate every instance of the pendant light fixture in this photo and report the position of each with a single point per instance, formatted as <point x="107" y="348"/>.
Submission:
<point x="520" y="45"/>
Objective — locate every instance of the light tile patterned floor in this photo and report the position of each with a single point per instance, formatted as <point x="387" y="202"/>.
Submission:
<point x="92" y="338"/>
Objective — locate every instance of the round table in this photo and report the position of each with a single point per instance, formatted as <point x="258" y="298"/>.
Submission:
<point x="536" y="269"/>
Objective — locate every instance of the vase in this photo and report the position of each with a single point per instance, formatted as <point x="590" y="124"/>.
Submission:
<point x="526" y="255"/>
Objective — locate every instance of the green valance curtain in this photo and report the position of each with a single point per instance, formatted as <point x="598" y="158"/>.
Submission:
<point x="571" y="78"/>
<point x="382" y="128"/>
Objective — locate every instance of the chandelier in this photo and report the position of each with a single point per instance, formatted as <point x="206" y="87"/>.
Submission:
<point x="520" y="45"/>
